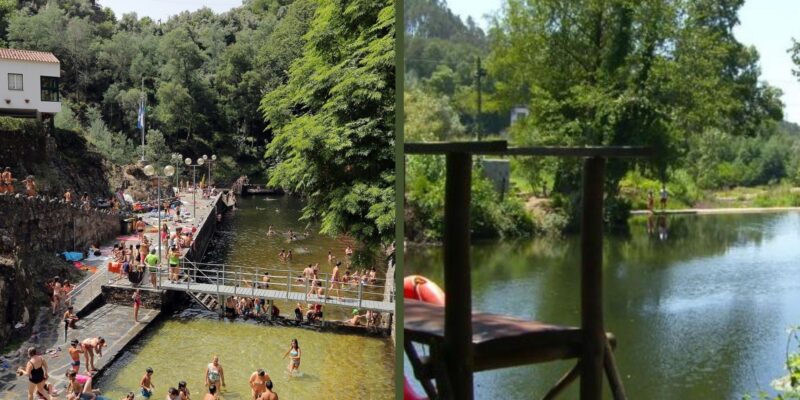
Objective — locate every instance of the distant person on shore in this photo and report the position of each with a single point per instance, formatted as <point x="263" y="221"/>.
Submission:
<point x="664" y="195"/>
<point x="57" y="294"/>
<point x="174" y="264"/>
<point x="268" y="394"/>
<point x="146" y="384"/>
<point x="294" y="355"/>
<point x="152" y="265"/>
<point x="331" y="257"/>
<point x="139" y="226"/>
<point x="270" y="232"/>
<point x="68" y="196"/>
<point x="137" y="302"/>
<point x="30" y="186"/>
<point x="289" y="256"/>
<point x="75" y="352"/>
<point x="258" y="382"/>
<point x="651" y="201"/>
<point x="36" y="371"/>
<point x="215" y="375"/>
<point x="7" y="181"/>
<point x="69" y="321"/>
<point x="90" y="346"/>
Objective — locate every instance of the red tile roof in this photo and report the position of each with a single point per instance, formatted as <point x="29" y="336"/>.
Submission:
<point x="28" y="55"/>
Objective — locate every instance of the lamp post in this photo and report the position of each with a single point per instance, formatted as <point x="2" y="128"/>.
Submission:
<point x="177" y="158"/>
<point x="150" y="171"/>
<point x="210" y="161"/>
<point x="188" y="162"/>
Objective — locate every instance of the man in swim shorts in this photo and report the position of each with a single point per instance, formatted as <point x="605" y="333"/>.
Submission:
<point x="75" y="352"/>
<point x="146" y="384"/>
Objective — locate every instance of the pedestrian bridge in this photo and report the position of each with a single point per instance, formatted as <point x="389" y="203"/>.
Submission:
<point x="209" y="283"/>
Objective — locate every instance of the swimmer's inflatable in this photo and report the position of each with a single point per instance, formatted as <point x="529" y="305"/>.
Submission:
<point x="419" y="288"/>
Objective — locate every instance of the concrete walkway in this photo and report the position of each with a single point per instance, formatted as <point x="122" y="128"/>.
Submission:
<point x="704" y="211"/>
<point x="113" y="322"/>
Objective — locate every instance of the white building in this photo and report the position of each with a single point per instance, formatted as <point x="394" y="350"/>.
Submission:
<point x="29" y="83"/>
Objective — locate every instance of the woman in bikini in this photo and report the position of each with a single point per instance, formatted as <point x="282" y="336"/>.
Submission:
<point x="89" y="347"/>
<point x="214" y="373"/>
<point x="137" y="302"/>
<point x="57" y="294"/>
<point x="294" y="353"/>
<point x="36" y="371"/>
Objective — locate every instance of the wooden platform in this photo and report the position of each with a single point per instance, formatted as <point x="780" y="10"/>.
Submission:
<point x="270" y="294"/>
<point x="499" y="341"/>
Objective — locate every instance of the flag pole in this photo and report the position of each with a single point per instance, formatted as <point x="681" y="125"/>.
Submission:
<point x="140" y="121"/>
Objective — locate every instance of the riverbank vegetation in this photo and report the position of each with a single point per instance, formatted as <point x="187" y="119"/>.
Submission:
<point x="671" y="76"/>
<point x="294" y="93"/>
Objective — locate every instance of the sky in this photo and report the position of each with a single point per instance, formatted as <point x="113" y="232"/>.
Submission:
<point x="163" y="9"/>
<point x="768" y="25"/>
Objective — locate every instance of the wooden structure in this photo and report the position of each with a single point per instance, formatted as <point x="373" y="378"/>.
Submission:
<point x="462" y="341"/>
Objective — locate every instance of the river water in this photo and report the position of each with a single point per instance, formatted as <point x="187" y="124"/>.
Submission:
<point x="701" y="313"/>
<point x="334" y="366"/>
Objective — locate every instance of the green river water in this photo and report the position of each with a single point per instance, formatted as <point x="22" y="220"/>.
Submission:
<point x="334" y="366"/>
<point x="700" y="314"/>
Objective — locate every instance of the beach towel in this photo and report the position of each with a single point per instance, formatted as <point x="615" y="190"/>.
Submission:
<point x="73" y="255"/>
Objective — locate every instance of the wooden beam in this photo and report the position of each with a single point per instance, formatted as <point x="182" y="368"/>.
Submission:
<point x="593" y="338"/>
<point x="590" y="151"/>
<point x="457" y="284"/>
<point x="455" y="147"/>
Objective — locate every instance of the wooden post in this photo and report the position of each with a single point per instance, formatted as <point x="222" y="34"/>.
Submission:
<point x="593" y="333"/>
<point x="457" y="284"/>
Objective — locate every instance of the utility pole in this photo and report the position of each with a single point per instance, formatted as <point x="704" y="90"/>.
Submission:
<point x="479" y="73"/>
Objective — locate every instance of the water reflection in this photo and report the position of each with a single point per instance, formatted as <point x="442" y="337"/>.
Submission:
<point x="700" y="313"/>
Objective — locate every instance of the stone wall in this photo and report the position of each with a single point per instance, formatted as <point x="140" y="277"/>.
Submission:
<point x="45" y="224"/>
<point x="163" y="300"/>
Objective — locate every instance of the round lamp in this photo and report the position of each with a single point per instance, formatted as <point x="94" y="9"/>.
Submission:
<point x="149" y="170"/>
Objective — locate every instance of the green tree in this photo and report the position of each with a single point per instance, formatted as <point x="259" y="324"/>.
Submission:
<point x="334" y="120"/>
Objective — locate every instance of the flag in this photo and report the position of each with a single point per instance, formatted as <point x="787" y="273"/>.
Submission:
<point x="140" y="120"/>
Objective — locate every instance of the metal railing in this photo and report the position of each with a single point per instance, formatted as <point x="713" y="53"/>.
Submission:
<point x="84" y="292"/>
<point x="248" y="281"/>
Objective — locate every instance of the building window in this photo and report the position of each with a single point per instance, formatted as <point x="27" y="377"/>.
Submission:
<point x="14" y="81"/>
<point x="49" y="88"/>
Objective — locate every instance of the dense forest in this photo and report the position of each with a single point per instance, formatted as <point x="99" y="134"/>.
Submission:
<point x="296" y="93"/>
<point x="669" y="75"/>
